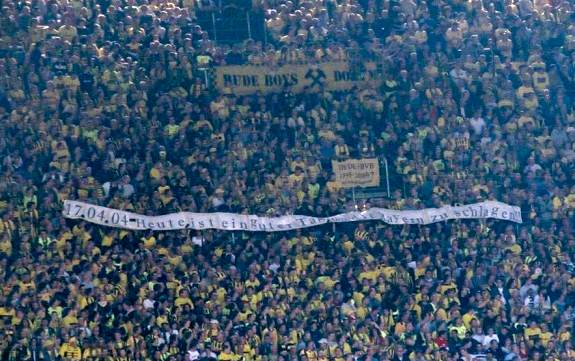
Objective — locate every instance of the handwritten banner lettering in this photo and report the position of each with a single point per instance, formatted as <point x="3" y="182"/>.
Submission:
<point x="241" y="222"/>
<point x="357" y="172"/>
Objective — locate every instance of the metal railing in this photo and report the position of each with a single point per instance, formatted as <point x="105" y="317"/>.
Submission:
<point x="232" y="26"/>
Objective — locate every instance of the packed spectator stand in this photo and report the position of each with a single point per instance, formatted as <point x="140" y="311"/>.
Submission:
<point x="111" y="102"/>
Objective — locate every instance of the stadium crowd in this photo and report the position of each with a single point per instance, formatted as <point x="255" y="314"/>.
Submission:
<point x="105" y="101"/>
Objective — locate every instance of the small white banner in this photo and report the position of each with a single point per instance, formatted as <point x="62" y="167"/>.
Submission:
<point x="242" y="222"/>
<point x="357" y="172"/>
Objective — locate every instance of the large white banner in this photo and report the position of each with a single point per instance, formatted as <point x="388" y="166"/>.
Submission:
<point x="242" y="222"/>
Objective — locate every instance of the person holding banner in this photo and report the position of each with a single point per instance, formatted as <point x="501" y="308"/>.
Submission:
<point x="166" y="196"/>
